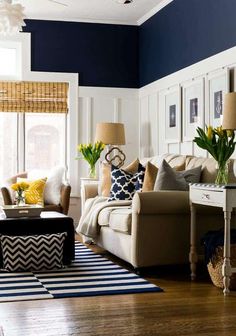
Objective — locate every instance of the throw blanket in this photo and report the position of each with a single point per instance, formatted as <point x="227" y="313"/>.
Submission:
<point x="88" y="224"/>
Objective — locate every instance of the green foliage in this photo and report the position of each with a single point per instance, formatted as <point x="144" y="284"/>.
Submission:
<point x="218" y="142"/>
<point x="91" y="153"/>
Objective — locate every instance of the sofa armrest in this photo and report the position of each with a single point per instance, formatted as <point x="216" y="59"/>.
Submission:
<point x="161" y="202"/>
<point x="89" y="190"/>
<point x="65" y="198"/>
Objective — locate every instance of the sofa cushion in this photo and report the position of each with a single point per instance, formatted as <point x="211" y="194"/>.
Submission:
<point x="104" y="216"/>
<point x="117" y="218"/>
<point x="105" y="172"/>
<point x="170" y="179"/>
<point x="120" y="220"/>
<point x="125" y="184"/>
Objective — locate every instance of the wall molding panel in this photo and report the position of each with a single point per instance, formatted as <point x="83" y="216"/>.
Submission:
<point x="152" y="118"/>
<point x="98" y="104"/>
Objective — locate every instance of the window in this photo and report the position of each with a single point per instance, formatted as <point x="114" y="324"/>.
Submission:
<point x="24" y="137"/>
<point x="45" y="143"/>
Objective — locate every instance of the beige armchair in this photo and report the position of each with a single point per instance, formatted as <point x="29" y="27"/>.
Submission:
<point x="62" y="207"/>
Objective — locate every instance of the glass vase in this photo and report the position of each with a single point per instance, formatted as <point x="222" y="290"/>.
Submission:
<point x="222" y="176"/>
<point x="92" y="171"/>
<point x="20" y="198"/>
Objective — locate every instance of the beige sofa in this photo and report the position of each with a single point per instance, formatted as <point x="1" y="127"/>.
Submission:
<point x="154" y="230"/>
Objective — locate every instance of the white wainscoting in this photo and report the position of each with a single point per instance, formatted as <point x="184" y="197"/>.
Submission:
<point x="142" y="111"/>
<point x="106" y="105"/>
<point x="152" y="108"/>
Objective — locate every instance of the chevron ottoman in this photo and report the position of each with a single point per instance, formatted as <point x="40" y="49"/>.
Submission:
<point x="48" y="223"/>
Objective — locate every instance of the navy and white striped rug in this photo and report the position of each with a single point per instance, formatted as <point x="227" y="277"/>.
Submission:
<point x="90" y="274"/>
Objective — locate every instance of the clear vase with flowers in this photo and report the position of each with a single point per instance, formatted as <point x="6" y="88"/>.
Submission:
<point x="91" y="153"/>
<point x="220" y="144"/>
<point x="20" y="188"/>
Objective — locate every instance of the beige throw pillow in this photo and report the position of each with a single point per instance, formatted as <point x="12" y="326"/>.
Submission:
<point x="149" y="177"/>
<point x="105" y="185"/>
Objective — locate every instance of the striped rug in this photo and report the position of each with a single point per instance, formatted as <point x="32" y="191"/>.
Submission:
<point x="89" y="275"/>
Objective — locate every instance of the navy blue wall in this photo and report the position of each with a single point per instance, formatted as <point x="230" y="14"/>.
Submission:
<point x="103" y="55"/>
<point x="183" y="33"/>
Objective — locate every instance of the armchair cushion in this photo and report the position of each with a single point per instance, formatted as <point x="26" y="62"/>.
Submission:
<point x="53" y="184"/>
<point x="35" y="193"/>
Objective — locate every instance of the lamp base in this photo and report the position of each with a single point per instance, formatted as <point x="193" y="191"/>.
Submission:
<point x="112" y="157"/>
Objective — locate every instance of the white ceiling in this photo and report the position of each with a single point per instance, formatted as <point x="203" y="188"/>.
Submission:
<point x="105" y="11"/>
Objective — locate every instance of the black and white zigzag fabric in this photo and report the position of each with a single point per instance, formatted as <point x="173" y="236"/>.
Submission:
<point x="125" y="184"/>
<point x="89" y="275"/>
<point x="36" y="252"/>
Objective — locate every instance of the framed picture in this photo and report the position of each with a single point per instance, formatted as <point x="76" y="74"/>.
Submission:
<point x="193" y="107"/>
<point x="218" y="86"/>
<point x="172" y="98"/>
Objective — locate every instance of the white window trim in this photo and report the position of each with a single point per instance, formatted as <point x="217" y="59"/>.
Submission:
<point x="25" y="74"/>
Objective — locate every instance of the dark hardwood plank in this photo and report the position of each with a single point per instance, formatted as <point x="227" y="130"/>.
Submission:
<point x="185" y="308"/>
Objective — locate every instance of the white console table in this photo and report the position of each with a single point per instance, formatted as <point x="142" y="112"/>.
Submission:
<point x="223" y="196"/>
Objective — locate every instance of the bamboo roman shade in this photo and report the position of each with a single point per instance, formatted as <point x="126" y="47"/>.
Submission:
<point x="38" y="97"/>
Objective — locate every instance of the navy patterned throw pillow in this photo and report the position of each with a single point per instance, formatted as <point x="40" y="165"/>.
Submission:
<point x="125" y="184"/>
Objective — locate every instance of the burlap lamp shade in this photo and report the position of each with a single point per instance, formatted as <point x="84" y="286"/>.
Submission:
<point x="229" y="111"/>
<point x="110" y="133"/>
<point x="113" y="135"/>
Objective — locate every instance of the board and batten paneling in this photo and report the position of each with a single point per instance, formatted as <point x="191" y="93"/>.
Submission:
<point x="109" y="105"/>
<point x="152" y="104"/>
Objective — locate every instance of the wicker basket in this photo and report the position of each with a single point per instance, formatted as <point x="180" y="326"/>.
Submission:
<point x="215" y="267"/>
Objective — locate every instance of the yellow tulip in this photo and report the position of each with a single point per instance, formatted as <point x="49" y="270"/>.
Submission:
<point x="219" y="131"/>
<point x="230" y="133"/>
<point x="210" y="132"/>
<point x="15" y="186"/>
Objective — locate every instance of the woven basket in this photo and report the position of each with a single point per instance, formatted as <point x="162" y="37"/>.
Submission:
<point x="215" y="267"/>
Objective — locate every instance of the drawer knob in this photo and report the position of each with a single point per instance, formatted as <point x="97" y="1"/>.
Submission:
<point x="205" y="196"/>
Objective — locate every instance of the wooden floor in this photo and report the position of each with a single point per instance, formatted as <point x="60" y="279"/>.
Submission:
<point x="184" y="308"/>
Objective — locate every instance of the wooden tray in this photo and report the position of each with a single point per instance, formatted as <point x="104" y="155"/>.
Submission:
<point x="15" y="211"/>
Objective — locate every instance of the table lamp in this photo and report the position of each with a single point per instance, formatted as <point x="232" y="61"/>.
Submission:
<point x="229" y="111"/>
<point x="113" y="135"/>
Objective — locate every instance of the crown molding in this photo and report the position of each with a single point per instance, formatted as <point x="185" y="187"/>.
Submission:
<point x="153" y="11"/>
<point x="115" y="22"/>
<point x="140" y="21"/>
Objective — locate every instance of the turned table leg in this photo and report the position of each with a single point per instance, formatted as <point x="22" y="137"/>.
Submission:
<point x="226" y="268"/>
<point x="193" y="252"/>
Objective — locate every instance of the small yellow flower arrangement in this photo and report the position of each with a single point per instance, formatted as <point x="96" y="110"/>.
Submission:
<point x="20" y="188"/>
<point x="220" y="144"/>
<point x="91" y="153"/>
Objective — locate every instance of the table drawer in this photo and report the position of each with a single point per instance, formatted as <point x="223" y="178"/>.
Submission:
<point x="207" y="196"/>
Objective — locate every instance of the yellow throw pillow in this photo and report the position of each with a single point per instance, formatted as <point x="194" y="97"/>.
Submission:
<point x="106" y="175"/>
<point x="34" y="194"/>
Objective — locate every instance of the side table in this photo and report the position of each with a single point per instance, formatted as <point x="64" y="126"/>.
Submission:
<point x="223" y="196"/>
